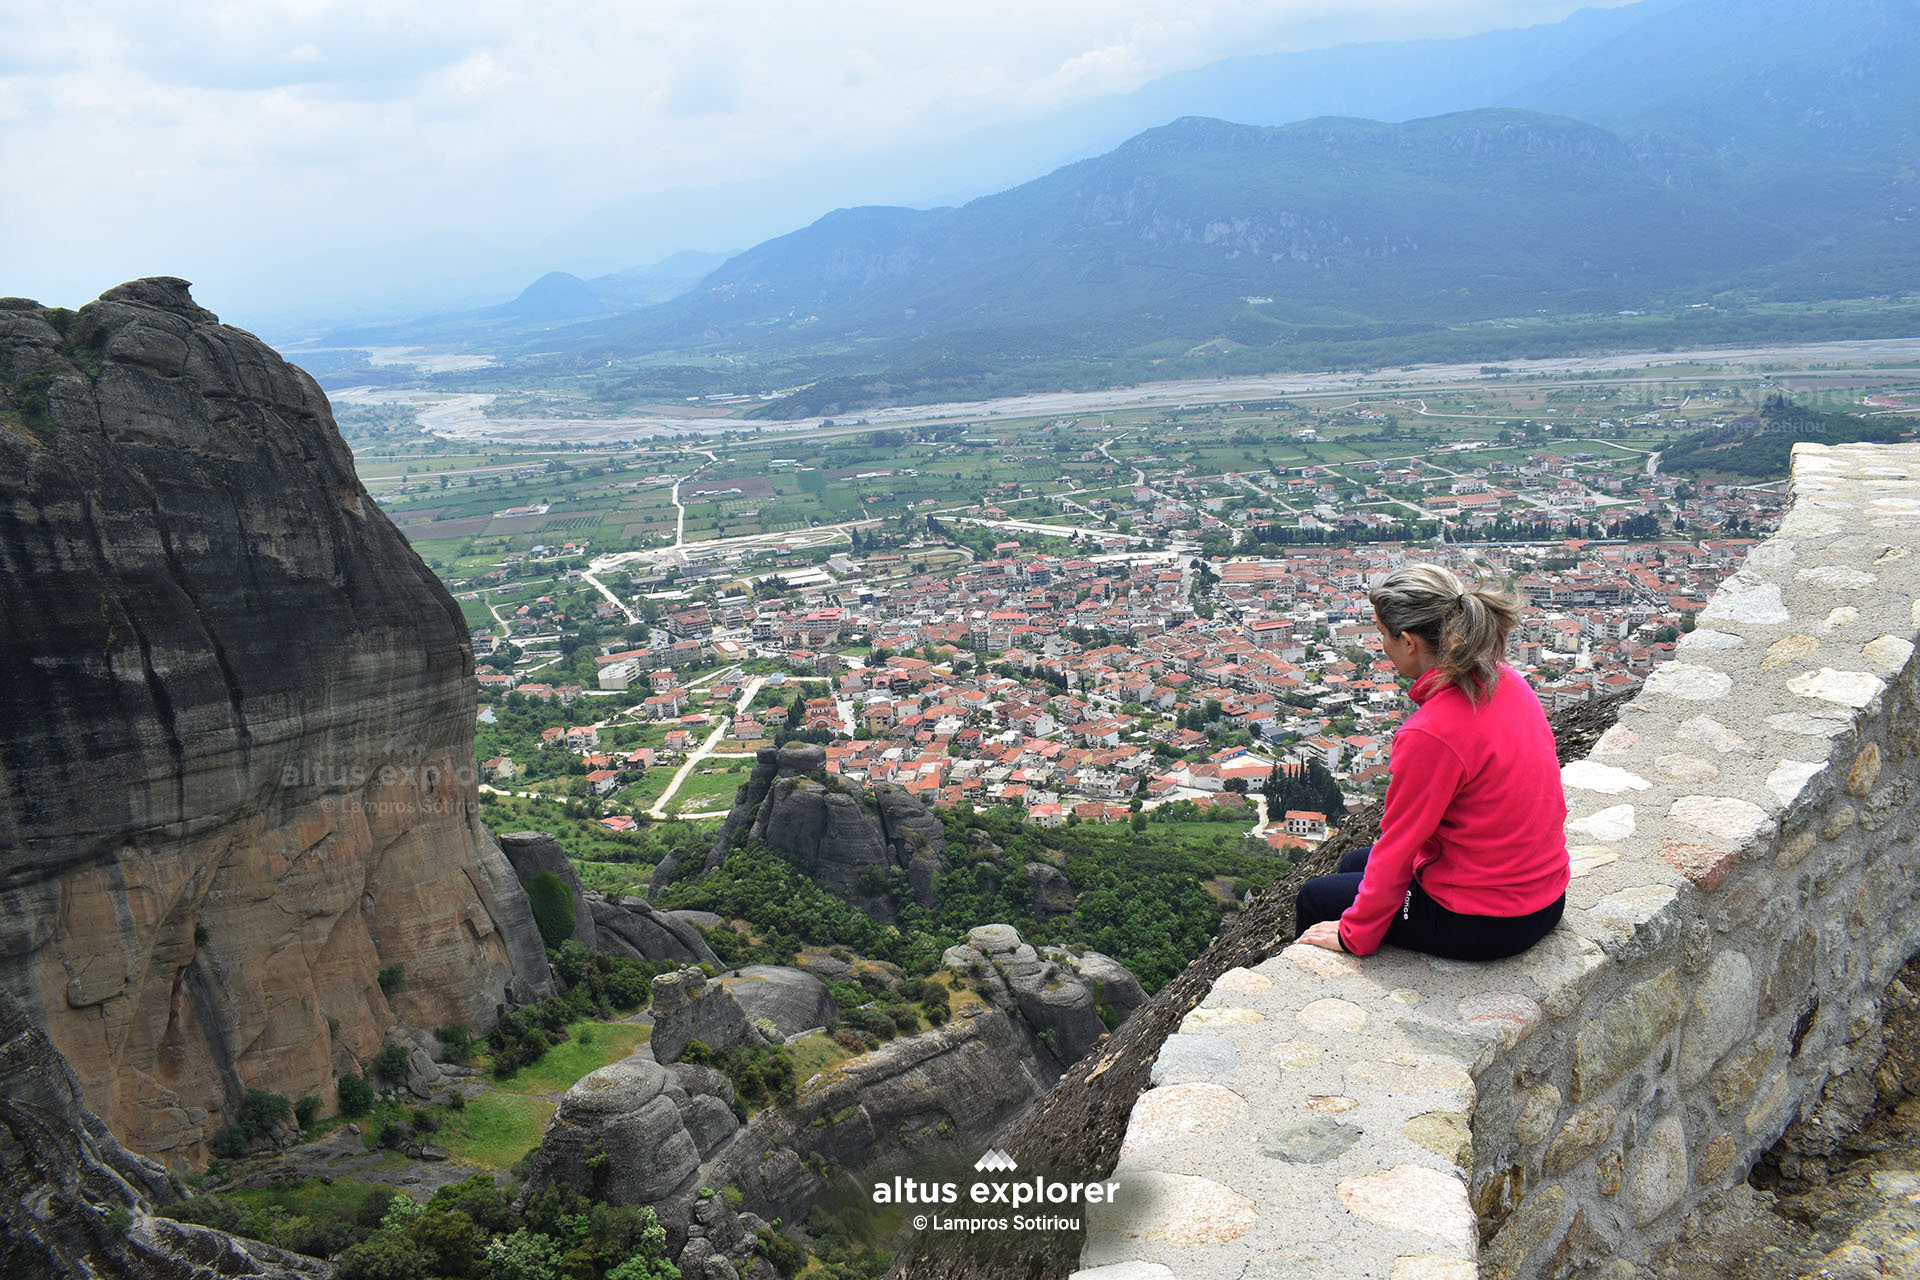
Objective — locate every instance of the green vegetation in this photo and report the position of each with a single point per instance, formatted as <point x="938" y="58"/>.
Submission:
<point x="1759" y="447"/>
<point x="259" y="1112"/>
<point x="497" y="1128"/>
<point x="552" y="903"/>
<point x="598" y="986"/>
<point x="589" y="1045"/>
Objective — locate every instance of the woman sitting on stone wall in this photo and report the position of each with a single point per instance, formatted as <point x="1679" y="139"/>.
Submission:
<point x="1471" y="862"/>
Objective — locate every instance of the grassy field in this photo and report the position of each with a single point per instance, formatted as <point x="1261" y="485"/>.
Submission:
<point x="495" y="1129"/>
<point x="589" y="1046"/>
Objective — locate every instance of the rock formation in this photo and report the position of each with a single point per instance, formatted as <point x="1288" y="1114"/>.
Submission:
<point x="786" y="1000"/>
<point x="1063" y="998"/>
<point x="74" y="1202"/>
<point x="535" y="853"/>
<point x="686" y="1007"/>
<point x="629" y="927"/>
<point x="236" y="767"/>
<point x="917" y="1104"/>
<point x="835" y="830"/>
<point x="637" y="1132"/>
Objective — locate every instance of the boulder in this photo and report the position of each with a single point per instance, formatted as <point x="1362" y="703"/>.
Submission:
<point x="1057" y="995"/>
<point x="631" y="927"/>
<point x="1052" y="893"/>
<point x="787" y="998"/>
<point x="537" y="853"/>
<point x="635" y="1113"/>
<point x="687" y="1007"/>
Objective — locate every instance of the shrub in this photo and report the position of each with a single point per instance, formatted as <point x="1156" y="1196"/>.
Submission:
<point x="118" y="1220"/>
<point x="354" y="1095"/>
<point x="383" y="1257"/>
<point x="456" y="1041"/>
<point x="306" y="1111"/>
<point x="389" y="978"/>
<point x="552" y="902"/>
<point x="229" y="1142"/>
<point x="390" y="1064"/>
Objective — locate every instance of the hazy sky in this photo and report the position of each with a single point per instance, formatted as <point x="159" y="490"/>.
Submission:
<point x="302" y="155"/>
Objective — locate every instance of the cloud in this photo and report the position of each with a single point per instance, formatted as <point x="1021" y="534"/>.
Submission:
<point x="399" y="142"/>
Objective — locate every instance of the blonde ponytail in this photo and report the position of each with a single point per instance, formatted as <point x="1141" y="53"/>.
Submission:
<point x="1467" y="629"/>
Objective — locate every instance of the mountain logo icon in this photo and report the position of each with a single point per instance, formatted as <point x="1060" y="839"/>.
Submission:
<point x="995" y="1161"/>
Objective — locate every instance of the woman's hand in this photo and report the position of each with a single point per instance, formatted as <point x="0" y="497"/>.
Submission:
<point x="1325" y="934"/>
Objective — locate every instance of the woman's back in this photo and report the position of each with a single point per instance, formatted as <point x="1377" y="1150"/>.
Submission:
<point x="1499" y="848"/>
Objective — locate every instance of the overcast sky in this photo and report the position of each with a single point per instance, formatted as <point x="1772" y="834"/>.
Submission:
<point x="303" y="155"/>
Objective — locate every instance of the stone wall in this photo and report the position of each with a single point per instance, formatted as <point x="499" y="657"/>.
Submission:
<point x="1743" y="849"/>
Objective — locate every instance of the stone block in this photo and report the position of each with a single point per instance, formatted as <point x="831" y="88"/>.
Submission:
<point x="1606" y="1172"/>
<point x="1707" y="866"/>
<point x="1786" y="650"/>
<point x="1445" y="1133"/>
<point x="1185" y="1058"/>
<point x="1864" y="772"/>
<point x="1659" y="1173"/>
<point x="1582" y="1135"/>
<point x="1201" y="1021"/>
<point x="1717" y="1161"/>
<point x="1315" y="1142"/>
<point x="1721" y="1015"/>
<point x="1176" y="1112"/>
<point x="1855" y="689"/>
<point x="1734" y="1080"/>
<point x="1332" y="1017"/>
<point x="1565" y="965"/>
<point x="1634" y="924"/>
<point x="1414" y="1199"/>
<point x="1532" y="1225"/>
<point x="1624" y="1032"/>
<point x="1689" y="682"/>
<point x="1176" y="1209"/>
<point x="1727" y="817"/>
<point x="1506" y="1016"/>
<point x="1539" y="1108"/>
<point x="1430" y="1266"/>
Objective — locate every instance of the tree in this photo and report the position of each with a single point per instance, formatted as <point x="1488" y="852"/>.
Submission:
<point x="354" y="1095"/>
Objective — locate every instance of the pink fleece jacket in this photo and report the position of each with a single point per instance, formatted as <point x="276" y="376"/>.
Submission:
<point x="1474" y="811"/>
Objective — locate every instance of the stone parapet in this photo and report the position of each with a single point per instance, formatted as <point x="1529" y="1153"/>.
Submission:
<point x="1743" y="846"/>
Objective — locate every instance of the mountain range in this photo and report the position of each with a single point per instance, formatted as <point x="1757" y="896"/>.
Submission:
<point x="1699" y="165"/>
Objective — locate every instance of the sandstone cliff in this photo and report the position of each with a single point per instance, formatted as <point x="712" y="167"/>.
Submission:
<point x="236" y="720"/>
<point x="835" y="830"/>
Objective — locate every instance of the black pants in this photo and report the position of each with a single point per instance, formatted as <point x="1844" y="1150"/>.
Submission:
<point x="1423" y="924"/>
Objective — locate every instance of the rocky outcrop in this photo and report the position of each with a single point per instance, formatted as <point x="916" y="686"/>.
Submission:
<point x="842" y="835"/>
<point x="535" y="853"/>
<point x="631" y="927"/>
<point x="917" y="1105"/>
<point x="687" y="1007"/>
<point x="1059" y="996"/>
<point x="74" y="1202"/>
<point x="236" y="714"/>
<point x="1051" y="890"/>
<point x="638" y="1133"/>
<point x="785" y="1000"/>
